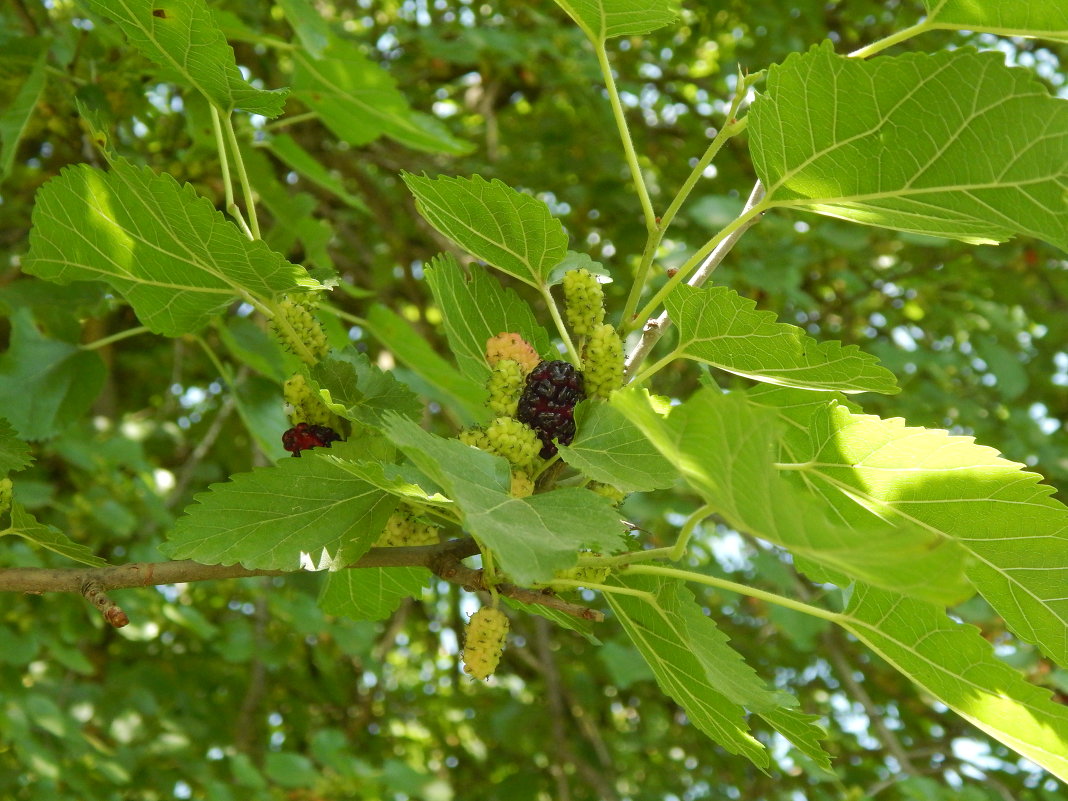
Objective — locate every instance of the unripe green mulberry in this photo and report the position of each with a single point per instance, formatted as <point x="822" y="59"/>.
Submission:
<point x="584" y="301"/>
<point x="297" y="329"/>
<point x="515" y="441"/>
<point x="522" y="485"/>
<point x="6" y="489"/>
<point x="505" y="385"/>
<point x="602" y="362"/>
<point x="514" y="347"/>
<point x="475" y="437"/>
<point x="306" y="405"/>
<point x="484" y="642"/>
<point x="590" y="574"/>
<point x="404" y="528"/>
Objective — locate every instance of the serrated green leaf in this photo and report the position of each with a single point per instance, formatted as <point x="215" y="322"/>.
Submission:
<point x="513" y="232"/>
<point x="476" y="308"/>
<point x="299" y="513"/>
<point x="371" y="593"/>
<point x="725" y="450"/>
<point x="45" y="384"/>
<point x="175" y="258"/>
<point x="531" y="537"/>
<point x="309" y="25"/>
<point x="181" y="36"/>
<point x="958" y="667"/>
<point x="893" y="142"/>
<point x="998" y="515"/>
<point x="14" y="453"/>
<point x="609" y="448"/>
<point x="803" y="731"/>
<point x="1039" y="18"/>
<point x="360" y="391"/>
<point x="24" y="62"/>
<point x="25" y="525"/>
<point x="603" y="19"/>
<point x="721" y="328"/>
<point x="658" y="628"/>
<point x="285" y="147"/>
<point x="459" y="393"/>
<point x="359" y="101"/>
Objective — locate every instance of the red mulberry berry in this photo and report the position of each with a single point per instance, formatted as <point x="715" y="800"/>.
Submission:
<point x="548" y="403"/>
<point x="303" y="436"/>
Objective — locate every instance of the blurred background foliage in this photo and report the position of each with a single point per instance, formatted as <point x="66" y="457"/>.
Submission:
<point x="245" y="689"/>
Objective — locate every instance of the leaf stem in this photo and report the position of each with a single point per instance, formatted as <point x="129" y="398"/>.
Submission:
<point x="285" y="122"/>
<point x="649" y="372"/>
<point x="892" y="39"/>
<point x="624" y="135"/>
<point x="242" y="175"/>
<point x="648" y="597"/>
<point x="741" y="589"/>
<point x="121" y="335"/>
<point x="555" y="313"/>
<point x="224" y="163"/>
<point x="741" y="221"/>
<point x="694" y="520"/>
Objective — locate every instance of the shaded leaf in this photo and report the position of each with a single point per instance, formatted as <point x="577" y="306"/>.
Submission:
<point x="476" y="308"/>
<point x="513" y="232"/>
<point x="23" y="62"/>
<point x="295" y="157"/>
<point x="603" y="19"/>
<point x="609" y="448"/>
<point x="358" y="390"/>
<point x="14" y="453"/>
<point x="371" y="593"/>
<point x="721" y="328"/>
<point x="305" y="512"/>
<point x="181" y="36"/>
<point x="1038" y="18"/>
<point x="531" y="537"/>
<point x="951" y="144"/>
<point x="175" y="258"/>
<point x="359" y="101"/>
<point x="25" y="525"/>
<point x="45" y="384"/>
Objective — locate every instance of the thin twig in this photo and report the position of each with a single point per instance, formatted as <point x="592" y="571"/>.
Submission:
<point x="655" y="327"/>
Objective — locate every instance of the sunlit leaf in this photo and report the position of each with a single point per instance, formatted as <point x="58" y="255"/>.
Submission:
<point x="603" y="19"/>
<point x="25" y="525"/>
<point x="1039" y="18"/>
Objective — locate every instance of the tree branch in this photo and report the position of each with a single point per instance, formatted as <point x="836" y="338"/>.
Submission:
<point x="443" y="559"/>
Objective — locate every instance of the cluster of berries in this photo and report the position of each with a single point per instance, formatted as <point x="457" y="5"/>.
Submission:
<point x="297" y="328"/>
<point x="484" y="642"/>
<point x="405" y="528"/>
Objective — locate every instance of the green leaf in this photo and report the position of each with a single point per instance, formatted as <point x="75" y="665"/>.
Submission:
<point x="310" y="27"/>
<point x="360" y="391"/>
<point x="1038" y="18"/>
<point x="23" y="63"/>
<point x="802" y="730"/>
<point x="285" y="147"/>
<point x="14" y="453"/>
<point x="603" y="19"/>
<point x="513" y="232"/>
<point x="45" y="384"/>
<point x="725" y="448"/>
<point x="611" y="449"/>
<point x="721" y="328"/>
<point x="476" y="308"/>
<point x="660" y="627"/>
<point x="582" y="627"/>
<point x="25" y="525"/>
<point x="175" y="258"/>
<point x="371" y="593"/>
<point x="861" y="140"/>
<point x="957" y="666"/>
<point x="1008" y="524"/>
<point x="531" y="537"/>
<point x="305" y="512"/>
<point x="181" y="36"/>
<point x="457" y="391"/>
<point x="359" y="101"/>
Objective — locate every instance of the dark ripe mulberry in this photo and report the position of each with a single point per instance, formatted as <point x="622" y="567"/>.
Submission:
<point x="548" y="403"/>
<point x="304" y="435"/>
